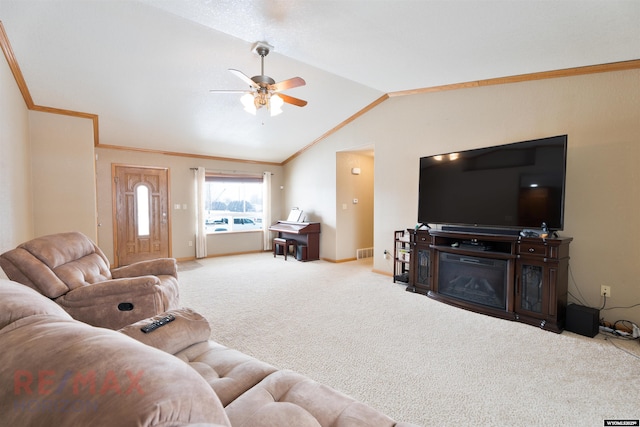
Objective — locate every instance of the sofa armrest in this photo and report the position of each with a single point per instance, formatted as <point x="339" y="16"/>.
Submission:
<point x="188" y="328"/>
<point x="156" y="267"/>
<point x="128" y="287"/>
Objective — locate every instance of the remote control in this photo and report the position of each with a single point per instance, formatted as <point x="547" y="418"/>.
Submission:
<point x="155" y="325"/>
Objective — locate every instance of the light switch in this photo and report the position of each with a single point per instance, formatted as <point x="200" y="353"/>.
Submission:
<point x="344" y="206"/>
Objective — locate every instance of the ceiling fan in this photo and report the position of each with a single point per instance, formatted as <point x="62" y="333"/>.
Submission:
<point x="263" y="90"/>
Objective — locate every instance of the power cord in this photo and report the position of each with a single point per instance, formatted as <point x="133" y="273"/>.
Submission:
<point x="623" y="329"/>
<point x="622" y="349"/>
<point x="628" y="325"/>
<point x="628" y="306"/>
<point x="582" y="300"/>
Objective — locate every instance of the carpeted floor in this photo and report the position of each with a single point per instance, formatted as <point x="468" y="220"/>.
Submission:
<point x="413" y="358"/>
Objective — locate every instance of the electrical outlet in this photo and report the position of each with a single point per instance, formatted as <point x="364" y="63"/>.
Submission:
<point x="605" y="291"/>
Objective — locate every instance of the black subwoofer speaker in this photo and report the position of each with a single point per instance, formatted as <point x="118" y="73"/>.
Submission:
<point x="582" y="320"/>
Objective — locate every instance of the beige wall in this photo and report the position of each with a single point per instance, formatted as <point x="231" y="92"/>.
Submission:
<point x="599" y="112"/>
<point x="64" y="179"/>
<point x="181" y="193"/>
<point x="310" y="184"/>
<point x="16" y="208"/>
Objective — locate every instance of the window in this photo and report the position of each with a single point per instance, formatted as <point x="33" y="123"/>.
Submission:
<point x="233" y="203"/>
<point x="142" y="208"/>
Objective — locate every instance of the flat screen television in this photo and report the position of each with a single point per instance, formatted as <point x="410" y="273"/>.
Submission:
<point x="513" y="186"/>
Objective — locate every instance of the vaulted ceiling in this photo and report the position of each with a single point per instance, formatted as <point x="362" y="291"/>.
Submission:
<point x="146" y="67"/>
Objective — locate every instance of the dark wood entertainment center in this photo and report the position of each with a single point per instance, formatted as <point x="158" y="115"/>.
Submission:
<point x="503" y="275"/>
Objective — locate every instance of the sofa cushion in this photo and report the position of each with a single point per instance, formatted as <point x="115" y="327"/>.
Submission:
<point x="84" y="271"/>
<point x="58" y="249"/>
<point x="75" y="259"/>
<point x="311" y="403"/>
<point x="19" y="301"/>
<point x="229" y="372"/>
<point x="187" y="329"/>
<point x="57" y="263"/>
<point x="21" y="266"/>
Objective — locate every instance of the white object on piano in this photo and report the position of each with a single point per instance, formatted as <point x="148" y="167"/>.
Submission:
<point x="295" y="215"/>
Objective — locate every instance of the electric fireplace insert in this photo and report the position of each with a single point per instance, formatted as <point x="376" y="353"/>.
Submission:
<point x="473" y="279"/>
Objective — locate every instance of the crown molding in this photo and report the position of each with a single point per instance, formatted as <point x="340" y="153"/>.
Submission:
<point x="180" y="154"/>
<point x="554" y="74"/>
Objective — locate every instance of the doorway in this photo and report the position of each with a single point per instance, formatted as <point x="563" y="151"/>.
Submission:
<point x="141" y="221"/>
<point x="354" y="203"/>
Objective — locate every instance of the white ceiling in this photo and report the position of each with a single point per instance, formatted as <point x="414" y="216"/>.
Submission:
<point x="146" y="67"/>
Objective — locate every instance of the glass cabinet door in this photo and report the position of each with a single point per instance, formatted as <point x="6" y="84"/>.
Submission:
<point x="423" y="273"/>
<point x="532" y="296"/>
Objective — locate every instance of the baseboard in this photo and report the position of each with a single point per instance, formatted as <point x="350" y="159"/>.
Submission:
<point x="338" y="261"/>
<point x="382" y="272"/>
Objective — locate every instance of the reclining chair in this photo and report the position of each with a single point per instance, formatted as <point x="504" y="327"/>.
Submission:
<point x="70" y="269"/>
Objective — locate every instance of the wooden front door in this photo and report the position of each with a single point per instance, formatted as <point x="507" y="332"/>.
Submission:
<point x="141" y="216"/>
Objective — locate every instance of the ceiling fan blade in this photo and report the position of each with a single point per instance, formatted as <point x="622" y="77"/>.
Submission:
<point x="293" y="101"/>
<point x="288" y="84"/>
<point x="242" y="76"/>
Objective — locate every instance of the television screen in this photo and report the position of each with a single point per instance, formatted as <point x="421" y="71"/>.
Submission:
<point x="518" y="185"/>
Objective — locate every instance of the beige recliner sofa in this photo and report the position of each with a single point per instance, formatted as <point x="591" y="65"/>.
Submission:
<point x="70" y="269"/>
<point x="58" y="371"/>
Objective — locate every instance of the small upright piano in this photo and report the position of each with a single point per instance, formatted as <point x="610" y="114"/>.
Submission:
<point x="306" y="234"/>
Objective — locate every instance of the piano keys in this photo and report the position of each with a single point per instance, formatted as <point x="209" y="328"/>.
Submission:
<point x="304" y="233"/>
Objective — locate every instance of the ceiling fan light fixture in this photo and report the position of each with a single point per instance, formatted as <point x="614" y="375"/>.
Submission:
<point x="275" y="105"/>
<point x="249" y="103"/>
<point x="261" y="99"/>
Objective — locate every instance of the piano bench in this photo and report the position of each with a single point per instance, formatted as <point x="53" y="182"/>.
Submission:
<point x="279" y="242"/>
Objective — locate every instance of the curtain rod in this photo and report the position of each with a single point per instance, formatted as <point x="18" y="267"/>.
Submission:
<point x="233" y="172"/>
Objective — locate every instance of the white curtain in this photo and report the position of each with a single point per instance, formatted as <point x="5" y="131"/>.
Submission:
<point x="201" y="234"/>
<point x="266" y="210"/>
